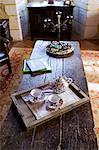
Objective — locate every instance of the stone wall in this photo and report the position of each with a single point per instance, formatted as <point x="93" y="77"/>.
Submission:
<point x="86" y="18"/>
<point x="22" y="11"/>
<point x="18" y="19"/>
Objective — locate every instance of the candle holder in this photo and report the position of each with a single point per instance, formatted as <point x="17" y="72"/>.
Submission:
<point x="58" y="48"/>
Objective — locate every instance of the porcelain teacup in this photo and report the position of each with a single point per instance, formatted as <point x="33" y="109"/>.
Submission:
<point x="54" y="101"/>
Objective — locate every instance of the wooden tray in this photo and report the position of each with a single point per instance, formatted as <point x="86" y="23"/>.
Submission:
<point x="27" y="111"/>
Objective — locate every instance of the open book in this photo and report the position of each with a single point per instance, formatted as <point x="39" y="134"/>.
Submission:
<point x="36" y="66"/>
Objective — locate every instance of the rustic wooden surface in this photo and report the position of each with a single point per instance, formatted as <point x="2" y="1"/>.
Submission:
<point x="71" y="131"/>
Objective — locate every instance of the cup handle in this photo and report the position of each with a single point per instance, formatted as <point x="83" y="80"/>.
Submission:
<point x="69" y="80"/>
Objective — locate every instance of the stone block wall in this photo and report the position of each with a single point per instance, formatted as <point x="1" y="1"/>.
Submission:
<point x="86" y="18"/>
<point x="17" y="12"/>
<point x="22" y="11"/>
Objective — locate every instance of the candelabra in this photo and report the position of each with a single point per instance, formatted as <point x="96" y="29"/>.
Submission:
<point x="48" y="24"/>
<point x="58" y="48"/>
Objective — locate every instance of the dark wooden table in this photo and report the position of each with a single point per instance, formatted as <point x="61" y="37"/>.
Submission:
<point x="71" y="131"/>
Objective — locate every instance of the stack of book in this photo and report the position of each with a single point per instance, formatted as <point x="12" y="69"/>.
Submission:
<point x="36" y="66"/>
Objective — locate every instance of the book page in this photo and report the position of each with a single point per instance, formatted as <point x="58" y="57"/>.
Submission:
<point x="35" y="65"/>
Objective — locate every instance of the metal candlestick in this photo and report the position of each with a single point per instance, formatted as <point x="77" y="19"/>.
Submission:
<point x="58" y="49"/>
<point x="48" y="24"/>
